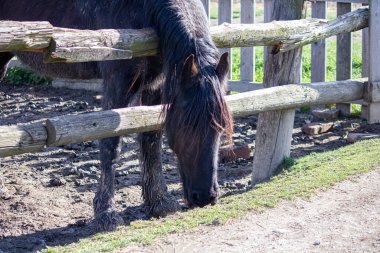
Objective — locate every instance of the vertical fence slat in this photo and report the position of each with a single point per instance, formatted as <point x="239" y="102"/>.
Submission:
<point x="344" y="56"/>
<point x="365" y="51"/>
<point x="318" y="49"/>
<point x="206" y="4"/>
<point x="247" y="62"/>
<point x="372" y="110"/>
<point x="225" y="16"/>
<point x="267" y="18"/>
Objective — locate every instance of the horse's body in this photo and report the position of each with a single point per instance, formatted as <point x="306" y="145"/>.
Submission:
<point x="188" y="74"/>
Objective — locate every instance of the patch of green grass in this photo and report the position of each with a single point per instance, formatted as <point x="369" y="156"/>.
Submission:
<point x="356" y="110"/>
<point x="22" y="76"/>
<point x="300" y="178"/>
<point x="305" y="108"/>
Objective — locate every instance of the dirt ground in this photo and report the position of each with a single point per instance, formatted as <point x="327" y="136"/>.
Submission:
<point x="46" y="197"/>
<point x="345" y="218"/>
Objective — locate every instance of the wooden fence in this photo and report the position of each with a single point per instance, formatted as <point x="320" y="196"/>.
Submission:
<point x="318" y="59"/>
<point x="63" y="130"/>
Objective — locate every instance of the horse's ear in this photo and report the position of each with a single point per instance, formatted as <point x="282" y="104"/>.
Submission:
<point x="223" y="66"/>
<point x="190" y="68"/>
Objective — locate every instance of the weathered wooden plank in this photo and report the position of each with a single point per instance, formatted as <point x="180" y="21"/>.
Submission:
<point x="247" y="61"/>
<point x="76" y="128"/>
<point x="344" y="1"/>
<point x="267" y="19"/>
<point x="101" y="44"/>
<point x="365" y="52"/>
<point x="24" y="36"/>
<point x="225" y="16"/>
<point x="318" y="48"/>
<point x="374" y="60"/>
<point x="274" y="129"/>
<point x="97" y="85"/>
<point x="120" y="44"/>
<point x="22" y="139"/>
<point x="372" y="95"/>
<point x="344" y="56"/>
<point x="295" y="95"/>
<point x="344" y="48"/>
<point x="75" y="84"/>
<point x="244" y="86"/>
<point x="288" y="35"/>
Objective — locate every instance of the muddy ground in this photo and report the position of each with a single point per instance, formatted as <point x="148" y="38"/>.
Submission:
<point x="46" y="197"/>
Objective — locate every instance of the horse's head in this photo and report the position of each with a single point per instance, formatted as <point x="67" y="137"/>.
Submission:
<point x="195" y="122"/>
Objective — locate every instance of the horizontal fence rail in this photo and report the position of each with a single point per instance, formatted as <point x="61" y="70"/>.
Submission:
<point x="343" y="1"/>
<point x="90" y="126"/>
<point x="71" y="45"/>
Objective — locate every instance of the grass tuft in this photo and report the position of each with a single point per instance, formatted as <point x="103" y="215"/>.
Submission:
<point x="23" y="76"/>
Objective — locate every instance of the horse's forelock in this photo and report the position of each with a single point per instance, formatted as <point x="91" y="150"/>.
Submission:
<point x="207" y="108"/>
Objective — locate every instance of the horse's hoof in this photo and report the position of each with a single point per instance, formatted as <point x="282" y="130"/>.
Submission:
<point x="108" y="220"/>
<point x="163" y="207"/>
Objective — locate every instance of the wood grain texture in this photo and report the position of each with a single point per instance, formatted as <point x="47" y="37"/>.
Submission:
<point x="365" y="52"/>
<point x="247" y="55"/>
<point x="70" y="45"/>
<point x="372" y="95"/>
<point x="318" y="48"/>
<point x="90" y="126"/>
<point x="274" y="129"/>
<point x="97" y="125"/>
<point x="225" y="16"/>
<point x="344" y="1"/>
<point x="374" y="59"/>
<point x="22" y="139"/>
<point x="346" y="23"/>
<point x="16" y="36"/>
<point x="344" y="56"/>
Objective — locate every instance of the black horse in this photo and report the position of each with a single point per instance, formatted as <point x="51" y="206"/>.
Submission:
<point x="188" y="75"/>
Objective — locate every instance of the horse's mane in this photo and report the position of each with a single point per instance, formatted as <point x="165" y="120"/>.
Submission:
<point x="183" y="30"/>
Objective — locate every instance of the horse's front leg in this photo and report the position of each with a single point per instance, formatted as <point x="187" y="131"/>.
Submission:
<point x="158" y="202"/>
<point x="106" y="217"/>
<point x="121" y="84"/>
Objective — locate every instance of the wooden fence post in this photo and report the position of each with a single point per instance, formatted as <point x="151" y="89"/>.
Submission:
<point x="344" y="57"/>
<point x="365" y="51"/>
<point x="247" y="58"/>
<point x="267" y="18"/>
<point x="372" y="96"/>
<point x="318" y="49"/>
<point x="225" y="16"/>
<point x="274" y="129"/>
